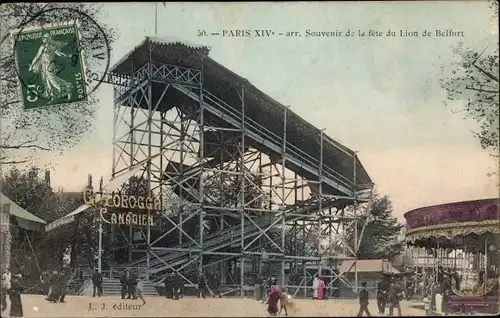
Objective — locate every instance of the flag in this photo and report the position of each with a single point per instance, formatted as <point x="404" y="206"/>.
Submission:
<point x="156" y="15"/>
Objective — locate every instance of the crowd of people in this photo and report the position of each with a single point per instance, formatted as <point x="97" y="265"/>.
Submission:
<point x="12" y="286"/>
<point x="53" y="282"/>
<point x="390" y="291"/>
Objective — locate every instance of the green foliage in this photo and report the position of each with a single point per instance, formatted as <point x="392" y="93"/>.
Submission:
<point x="494" y="10"/>
<point x="54" y="128"/>
<point x="380" y="235"/>
<point x="30" y="191"/>
<point x="137" y="186"/>
<point x="474" y="81"/>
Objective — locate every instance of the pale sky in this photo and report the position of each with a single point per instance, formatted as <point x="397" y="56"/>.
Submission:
<point x="378" y="96"/>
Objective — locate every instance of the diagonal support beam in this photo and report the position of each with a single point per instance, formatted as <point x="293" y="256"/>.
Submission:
<point x="263" y="233"/>
<point x="177" y="226"/>
<point x="183" y="232"/>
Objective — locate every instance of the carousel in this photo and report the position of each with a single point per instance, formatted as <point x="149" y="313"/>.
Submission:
<point x="462" y="243"/>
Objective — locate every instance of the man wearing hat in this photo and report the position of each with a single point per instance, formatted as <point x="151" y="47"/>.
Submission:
<point x="395" y="295"/>
<point x="363" y="301"/>
<point x="16" y="305"/>
<point x="97" y="283"/>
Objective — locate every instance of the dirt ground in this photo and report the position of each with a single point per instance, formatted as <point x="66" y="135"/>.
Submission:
<point x="156" y="306"/>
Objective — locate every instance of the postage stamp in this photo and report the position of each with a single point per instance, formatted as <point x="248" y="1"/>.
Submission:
<point x="50" y="65"/>
<point x="59" y="63"/>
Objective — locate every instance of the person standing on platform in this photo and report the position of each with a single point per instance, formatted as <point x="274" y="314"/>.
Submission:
<point x="315" y="286"/>
<point x="138" y="291"/>
<point x="16" y="288"/>
<point x="364" y="296"/>
<point x="52" y="281"/>
<point x="381" y="296"/>
<point x="216" y="285"/>
<point x="180" y="283"/>
<point x="321" y="289"/>
<point x="6" y="284"/>
<point x="97" y="283"/>
<point x="45" y="281"/>
<point x="395" y="295"/>
<point x="285" y="302"/>
<point x="124" y="283"/>
<point x="263" y="290"/>
<point x="202" y="286"/>
<point x="56" y="289"/>
<point x="258" y="289"/>
<point x="132" y="284"/>
<point x="274" y="297"/>
<point x="169" y="285"/>
<point x="65" y="277"/>
<point x="177" y="285"/>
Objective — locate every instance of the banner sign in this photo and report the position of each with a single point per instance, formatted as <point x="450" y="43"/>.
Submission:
<point x="126" y="218"/>
<point x="127" y="209"/>
<point x="121" y="201"/>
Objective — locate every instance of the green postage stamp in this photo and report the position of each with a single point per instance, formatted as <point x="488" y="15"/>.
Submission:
<point x="50" y="65"/>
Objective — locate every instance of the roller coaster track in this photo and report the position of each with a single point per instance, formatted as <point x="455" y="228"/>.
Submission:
<point x="180" y="258"/>
<point x="253" y="130"/>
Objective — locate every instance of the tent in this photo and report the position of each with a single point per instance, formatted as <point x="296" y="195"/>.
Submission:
<point x="25" y="220"/>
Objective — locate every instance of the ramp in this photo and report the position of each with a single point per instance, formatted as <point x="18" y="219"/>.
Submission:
<point x="219" y="240"/>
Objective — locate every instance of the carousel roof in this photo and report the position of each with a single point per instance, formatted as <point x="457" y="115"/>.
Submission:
<point x="451" y="220"/>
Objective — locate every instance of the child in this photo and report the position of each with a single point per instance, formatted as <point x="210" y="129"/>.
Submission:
<point x="285" y="300"/>
<point x="427" y="306"/>
<point x="139" y="290"/>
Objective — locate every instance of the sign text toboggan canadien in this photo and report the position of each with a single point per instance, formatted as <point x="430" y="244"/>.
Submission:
<point x="121" y="201"/>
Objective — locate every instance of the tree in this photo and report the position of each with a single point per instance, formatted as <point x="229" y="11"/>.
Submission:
<point x="474" y="81"/>
<point x="380" y="235"/>
<point x="30" y="191"/>
<point x="56" y="128"/>
<point x="137" y="186"/>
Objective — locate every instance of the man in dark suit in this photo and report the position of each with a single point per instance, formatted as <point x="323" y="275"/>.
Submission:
<point x="202" y="286"/>
<point x="169" y="285"/>
<point x="382" y="289"/>
<point x="395" y="295"/>
<point x="64" y="279"/>
<point x="363" y="300"/>
<point x="124" y="283"/>
<point x="97" y="283"/>
<point x="177" y="284"/>
<point x="215" y="284"/>
<point x="132" y="283"/>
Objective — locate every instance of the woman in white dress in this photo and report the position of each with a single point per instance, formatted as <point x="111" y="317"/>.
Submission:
<point x="315" y="286"/>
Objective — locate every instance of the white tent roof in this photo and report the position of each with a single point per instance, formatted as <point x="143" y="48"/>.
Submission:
<point x="25" y="219"/>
